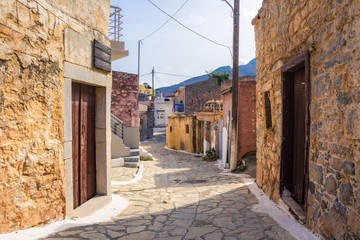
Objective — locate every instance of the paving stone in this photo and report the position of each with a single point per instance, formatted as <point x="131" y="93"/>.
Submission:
<point x="69" y="233"/>
<point x="199" y="231"/>
<point x="135" y="229"/>
<point x="136" y="223"/>
<point x="146" y="235"/>
<point x="115" y="234"/>
<point x="157" y="226"/>
<point x="161" y="208"/>
<point x="214" y="236"/>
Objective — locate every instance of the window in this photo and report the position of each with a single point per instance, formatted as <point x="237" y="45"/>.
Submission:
<point x="187" y="128"/>
<point x="170" y="129"/>
<point x="268" y="110"/>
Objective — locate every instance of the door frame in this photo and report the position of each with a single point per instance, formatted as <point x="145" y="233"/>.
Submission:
<point x="102" y="84"/>
<point x="300" y="61"/>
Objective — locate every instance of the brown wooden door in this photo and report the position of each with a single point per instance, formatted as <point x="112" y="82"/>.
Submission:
<point x="298" y="168"/>
<point x="83" y="146"/>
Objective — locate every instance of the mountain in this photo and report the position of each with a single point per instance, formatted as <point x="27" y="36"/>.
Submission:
<point x="247" y="69"/>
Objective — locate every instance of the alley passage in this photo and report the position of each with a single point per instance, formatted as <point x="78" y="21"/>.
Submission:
<point x="182" y="197"/>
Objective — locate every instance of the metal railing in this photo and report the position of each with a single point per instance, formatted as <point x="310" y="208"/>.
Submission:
<point x="117" y="127"/>
<point x="178" y="107"/>
<point x="115" y="23"/>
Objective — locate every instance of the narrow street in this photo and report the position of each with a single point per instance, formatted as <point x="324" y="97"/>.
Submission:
<point x="182" y="197"/>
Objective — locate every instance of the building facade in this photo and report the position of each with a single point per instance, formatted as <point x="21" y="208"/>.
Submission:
<point x="308" y="116"/>
<point x="211" y="117"/>
<point x="246" y="117"/>
<point x="124" y="105"/>
<point x="50" y="88"/>
<point x="163" y="108"/>
<point x="184" y="132"/>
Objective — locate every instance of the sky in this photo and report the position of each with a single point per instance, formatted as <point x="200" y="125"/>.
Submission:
<point x="176" y="50"/>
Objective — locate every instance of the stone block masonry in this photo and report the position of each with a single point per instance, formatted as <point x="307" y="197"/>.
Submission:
<point x="124" y="98"/>
<point x="330" y="31"/>
<point x="198" y="93"/>
<point x="32" y="55"/>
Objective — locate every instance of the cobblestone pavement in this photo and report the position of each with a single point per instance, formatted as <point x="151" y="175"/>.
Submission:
<point x="123" y="173"/>
<point x="182" y="197"/>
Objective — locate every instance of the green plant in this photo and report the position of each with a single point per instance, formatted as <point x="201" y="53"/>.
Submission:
<point x="242" y="168"/>
<point x="211" y="152"/>
<point x="221" y="77"/>
<point x="210" y="155"/>
<point x="147" y="158"/>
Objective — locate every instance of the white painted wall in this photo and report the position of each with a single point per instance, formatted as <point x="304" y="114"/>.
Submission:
<point x="167" y="107"/>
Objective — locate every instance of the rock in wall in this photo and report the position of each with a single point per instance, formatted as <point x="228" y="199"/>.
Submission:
<point x="330" y="31"/>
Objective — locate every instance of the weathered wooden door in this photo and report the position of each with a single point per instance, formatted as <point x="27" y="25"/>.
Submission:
<point x="294" y="175"/>
<point x="83" y="146"/>
<point x="298" y="171"/>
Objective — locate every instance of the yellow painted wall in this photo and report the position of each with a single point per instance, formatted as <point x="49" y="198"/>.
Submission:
<point x="178" y="139"/>
<point x="143" y="89"/>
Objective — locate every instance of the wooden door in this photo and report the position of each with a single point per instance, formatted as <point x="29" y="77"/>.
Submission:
<point x="83" y="146"/>
<point x="298" y="171"/>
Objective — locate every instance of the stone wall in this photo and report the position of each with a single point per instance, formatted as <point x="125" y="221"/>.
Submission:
<point x="124" y="98"/>
<point x="330" y="31"/>
<point x="32" y="54"/>
<point x="198" y="93"/>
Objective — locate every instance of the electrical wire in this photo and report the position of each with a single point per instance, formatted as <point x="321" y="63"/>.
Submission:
<point x="165" y="22"/>
<point x="145" y="74"/>
<point x="200" y="35"/>
<point x="175" y="75"/>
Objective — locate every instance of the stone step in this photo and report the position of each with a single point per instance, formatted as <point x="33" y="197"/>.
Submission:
<point x="117" y="162"/>
<point x="131" y="159"/>
<point x="134" y="152"/>
<point x="131" y="164"/>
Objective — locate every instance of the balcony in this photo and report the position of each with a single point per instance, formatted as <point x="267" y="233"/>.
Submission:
<point x="178" y="107"/>
<point x="117" y="47"/>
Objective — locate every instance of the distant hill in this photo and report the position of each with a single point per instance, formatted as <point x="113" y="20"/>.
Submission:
<point x="247" y="69"/>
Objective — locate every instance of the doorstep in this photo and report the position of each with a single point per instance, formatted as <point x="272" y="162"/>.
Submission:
<point x="91" y="206"/>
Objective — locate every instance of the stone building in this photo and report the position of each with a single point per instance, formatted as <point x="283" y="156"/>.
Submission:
<point x="124" y="105"/>
<point x="48" y="53"/>
<point x="308" y="111"/>
<point x="189" y="98"/>
<point x="246" y="117"/>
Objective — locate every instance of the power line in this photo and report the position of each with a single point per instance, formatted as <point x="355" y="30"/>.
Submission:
<point x="175" y="75"/>
<point x="165" y="22"/>
<point x="145" y="74"/>
<point x="200" y="35"/>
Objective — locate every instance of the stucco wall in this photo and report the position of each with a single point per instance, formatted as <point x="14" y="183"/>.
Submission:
<point x="167" y="107"/>
<point x="124" y="98"/>
<point x="177" y="138"/>
<point x="246" y="114"/>
<point x="32" y="54"/>
<point x="330" y="30"/>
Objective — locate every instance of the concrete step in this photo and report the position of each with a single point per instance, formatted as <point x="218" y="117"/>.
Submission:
<point x="117" y="162"/>
<point x="134" y="152"/>
<point x="131" y="164"/>
<point x="131" y="159"/>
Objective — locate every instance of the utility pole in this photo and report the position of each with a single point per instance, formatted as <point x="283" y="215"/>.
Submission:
<point x="138" y="67"/>
<point x="153" y="86"/>
<point x="234" y="108"/>
<point x="153" y="93"/>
